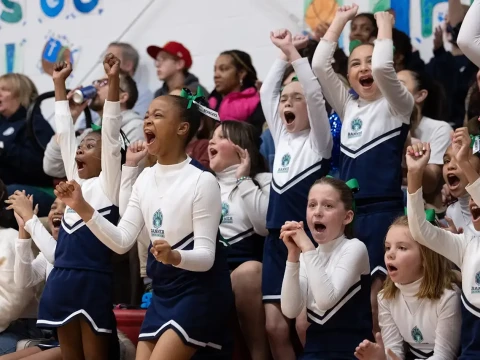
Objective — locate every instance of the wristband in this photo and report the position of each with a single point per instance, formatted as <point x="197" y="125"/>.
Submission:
<point x="239" y="180"/>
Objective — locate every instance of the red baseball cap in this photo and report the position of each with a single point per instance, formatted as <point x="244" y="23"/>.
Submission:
<point x="173" y="48"/>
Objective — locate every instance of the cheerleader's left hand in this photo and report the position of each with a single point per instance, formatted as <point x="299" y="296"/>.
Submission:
<point x="22" y="206"/>
<point x="245" y="162"/>
<point x="299" y="236"/>
<point x="162" y="251"/>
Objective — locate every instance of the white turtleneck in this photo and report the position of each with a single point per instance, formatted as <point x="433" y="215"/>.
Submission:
<point x="459" y="212"/>
<point x="430" y="328"/>
<point x="174" y="202"/>
<point x="323" y="276"/>
<point x="244" y="206"/>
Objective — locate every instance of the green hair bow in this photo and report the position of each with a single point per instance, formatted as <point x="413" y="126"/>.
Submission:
<point x="96" y="127"/>
<point x="430" y="215"/>
<point x="353" y="186"/>
<point x="356" y="43"/>
<point x="472" y="139"/>
<point x="187" y="94"/>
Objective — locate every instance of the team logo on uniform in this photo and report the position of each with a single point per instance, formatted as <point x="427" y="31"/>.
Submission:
<point x="226" y="218"/>
<point x="356" y="127"/>
<point x="476" y="289"/>
<point x="157" y="222"/>
<point x="417" y="335"/>
<point x="9" y="131"/>
<point x="285" y="163"/>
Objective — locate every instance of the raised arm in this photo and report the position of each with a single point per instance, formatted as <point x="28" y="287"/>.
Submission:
<point x="255" y="201"/>
<point x="42" y="238"/>
<point x="399" y="98"/>
<point x="451" y="246"/>
<point x="207" y="211"/>
<point x="469" y="36"/>
<point x="333" y="88"/>
<point x="110" y="175"/>
<point x="320" y="134"/>
<point x="65" y="130"/>
<point x="29" y="271"/>
<point x="461" y="144"/>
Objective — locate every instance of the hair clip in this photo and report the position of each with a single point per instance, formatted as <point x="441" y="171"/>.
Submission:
<point x="192" y="99"/>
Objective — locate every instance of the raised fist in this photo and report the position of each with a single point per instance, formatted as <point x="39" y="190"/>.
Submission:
<point x="111" y="65"/>
<point x="61" y="70"/>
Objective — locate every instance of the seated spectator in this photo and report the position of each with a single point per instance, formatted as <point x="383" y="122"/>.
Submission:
<point x="235" y="96"/>
<point x="363" y="28"/>
<point x="132" y="122"/>
<point x="130" y="59"/>
<point x="173" y="61"/>
<point x="405" y="58"/>
<point x="17" y="306"/>
<point x="21" y="155"/>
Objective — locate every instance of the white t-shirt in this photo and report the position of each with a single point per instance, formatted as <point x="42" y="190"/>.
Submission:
<point x="437" y="133"/>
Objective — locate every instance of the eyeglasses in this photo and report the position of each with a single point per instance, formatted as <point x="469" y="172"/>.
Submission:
<point x="102" y="82"/>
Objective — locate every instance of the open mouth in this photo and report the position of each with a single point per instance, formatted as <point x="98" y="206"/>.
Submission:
<point x="212" y="152"/>
<point x="319" y="227"/>
<point x="56" y="222"/>
<point x="149" y="137"/>
<point x="366" y="81"/>
<point x="80" y="165"/>
<point x="475" y="211"/>
<point x="289" y="117"/>
<point x="453" y="180"/>
<point x="391" y="268"/>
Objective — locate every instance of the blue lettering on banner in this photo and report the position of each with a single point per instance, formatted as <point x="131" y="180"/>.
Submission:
<point x="52" y="50"/>
<point x="52" y="8"/>
<point x="10" y="58"/>
<point x="85" y="6"/>
<point x="13" y="14"/>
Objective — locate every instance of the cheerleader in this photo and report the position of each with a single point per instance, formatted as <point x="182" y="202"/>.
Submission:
<point x="374" y="130"/>
<point x="333" y="280"/>
<point x="299" y="125"/>
<point x="462" y="249"/>
<point x="180" y="205"/>
<point x="245" y="186"/>
<point x="419" y="306"/>
<point x="77" y="299"/>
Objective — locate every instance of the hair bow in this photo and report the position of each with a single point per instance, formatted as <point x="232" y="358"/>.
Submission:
<point x="96" y="127"/>
<point x="356" y="43"/>
<point x="187" y="94"/>
<point x="353" y="186"/>
<point x="472" y="139"/>
<point x="430" y="215"/>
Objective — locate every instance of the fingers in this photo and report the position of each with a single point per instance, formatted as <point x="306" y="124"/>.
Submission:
<point x="35" y="210"/>
<point x="451" y="225"/>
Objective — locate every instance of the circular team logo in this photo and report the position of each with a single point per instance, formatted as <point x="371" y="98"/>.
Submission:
<point x="225" y="209"/>
<point x="356" y="124"/>
<point x="477" y="278"/>
<point x="157" y="219"/>
<point x="286" y="160"/>
<point x="417" y="335"/>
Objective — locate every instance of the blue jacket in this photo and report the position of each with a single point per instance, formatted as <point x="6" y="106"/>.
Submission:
<point x="21" y="159"/>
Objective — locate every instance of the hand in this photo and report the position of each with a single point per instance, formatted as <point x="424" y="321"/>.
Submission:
<point x="418" y="156"/>
<point x="296" y="231"/>
<point x="300" y="41"/>
<point x="286" y="235"/>
<point x="162" y="251"/>
<point x="136" y="152"/>
<point x="281" y="38"/>
<point x="438" y="38"/>
<point x="462" y="141"/>
<point x="451" y="227"/>
<point x="111" y="64"/>
<point x="70" y="193"/>
<point x="75" y="109"/>
<point x="22" y="206"/>
<point x="61" y="71"/>
<point x="346" y="13"/>
<point x="384" y="18"/>
<point x="19" y="219"/>
<point x="245" y="162"/>
<point x="373" y="351"/>
<point x="320" y="30"/>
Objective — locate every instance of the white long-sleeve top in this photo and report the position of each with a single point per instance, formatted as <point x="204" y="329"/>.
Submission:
<point x="178" y="203"/>
<point x="459" y="212"/>
<point x="42" y="238"/>
<point x="14" y="301"/>
<point x="469" y="36"/>
<point x="323" y="277"/>
<point x="429" y="328"/>
<point x="30" y="271"/>
<point x="462" y="249"/>
<point x="300" y="157"/>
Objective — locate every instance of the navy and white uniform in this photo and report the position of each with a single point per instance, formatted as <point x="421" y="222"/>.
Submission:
<point x="416" y="328"/>
<point x="464" y="251"/>
<point x="300" y="159"/>
<point x="81" y="282"/>
<point x="372" y="141"/>
<point x="244" y="214"/>
<point x="333" y="282"/>
<point x="469" y="36"/>
<point x="180" y="204"/>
